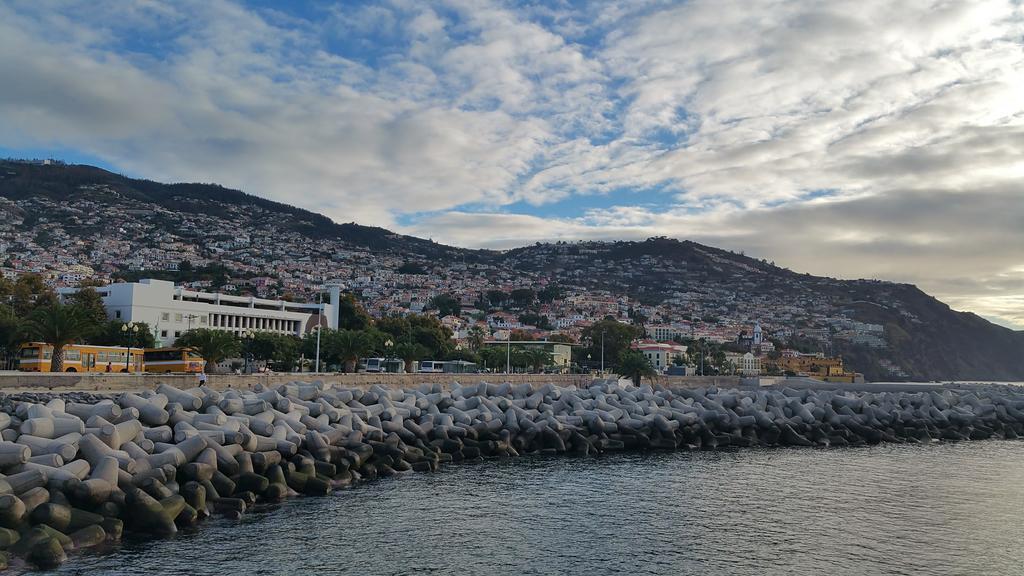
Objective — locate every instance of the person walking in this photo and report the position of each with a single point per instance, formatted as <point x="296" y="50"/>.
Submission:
<point x="202" y="378"/>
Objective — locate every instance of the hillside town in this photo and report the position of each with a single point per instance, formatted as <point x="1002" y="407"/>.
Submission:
<point x="540" y="292"/>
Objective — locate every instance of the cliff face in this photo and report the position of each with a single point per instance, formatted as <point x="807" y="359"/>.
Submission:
<point x="924" y="338"/>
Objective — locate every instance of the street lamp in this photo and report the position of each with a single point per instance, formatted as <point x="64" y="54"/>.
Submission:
<point x="247" y="338"/>
<point x="130" y="329"/>
<point x="316" y="365"/>
<point x="588" y="363"/>
<point x="602" y="352"/>
<point x="387" y="353"/>
<point x="191" y="317"/>
<point x="508" y="353"/>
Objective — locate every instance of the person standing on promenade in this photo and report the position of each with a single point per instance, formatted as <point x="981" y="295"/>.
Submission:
<point x="202" y="378"/>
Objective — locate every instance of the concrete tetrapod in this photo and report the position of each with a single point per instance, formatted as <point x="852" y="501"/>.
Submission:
<point x="73" y="473"/>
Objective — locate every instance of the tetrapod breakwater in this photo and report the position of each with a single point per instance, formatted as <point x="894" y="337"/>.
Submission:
<point x="80" y="470"/>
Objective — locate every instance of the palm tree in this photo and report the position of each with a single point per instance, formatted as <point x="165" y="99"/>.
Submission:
<point x="212" y="345"/>
<point x="349" y="346"/>
<point x="12" y="332"/>
<point x="59" y="325"/>
<point x="410" y="353"/>
<point x="634" y="365"/>
<point x="537" y="358"/>
<point x="493" y="357"/>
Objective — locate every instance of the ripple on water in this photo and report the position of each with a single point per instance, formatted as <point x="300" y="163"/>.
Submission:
<point x="937" y="510"/>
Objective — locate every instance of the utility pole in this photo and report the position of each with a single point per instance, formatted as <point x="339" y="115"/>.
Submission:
<point x="319" y="326"/>
<point x="602" y="353"/>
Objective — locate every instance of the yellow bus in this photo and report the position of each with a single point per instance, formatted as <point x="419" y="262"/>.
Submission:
<point x="36" y="357"/>
<point x="164" y="360"/>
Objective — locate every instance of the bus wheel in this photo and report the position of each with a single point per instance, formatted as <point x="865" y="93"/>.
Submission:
<point x="124" y="370"/>
<point x="70" y="370"/>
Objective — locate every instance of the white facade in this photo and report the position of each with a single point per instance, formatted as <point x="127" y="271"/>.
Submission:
<point x="660" y="354"/>
<point x="173" y="310"/>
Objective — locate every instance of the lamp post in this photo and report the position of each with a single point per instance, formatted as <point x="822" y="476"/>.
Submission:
<point x="387" y="353"/>
<point x="191" y="317"/>
<point x="316" y="365"/>
<point x="602" y="352"/>
<point x="508" y="353"/>
<point x="247" y="337"/>
<point x="130" y="329"/>
<point x="588" y="363"/>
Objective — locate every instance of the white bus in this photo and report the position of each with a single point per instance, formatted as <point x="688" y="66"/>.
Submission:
<point x="374" y="364"/>
<point x="431" y="366"/>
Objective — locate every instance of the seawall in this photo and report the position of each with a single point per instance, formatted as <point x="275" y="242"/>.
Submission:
<point x="13" y="382"/>
<point x="79" y="470"/>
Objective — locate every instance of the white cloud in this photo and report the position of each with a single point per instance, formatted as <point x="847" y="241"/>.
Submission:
<point x="743" y="110"/>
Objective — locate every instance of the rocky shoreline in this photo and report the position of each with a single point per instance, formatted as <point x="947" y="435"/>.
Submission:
<point x="81" y="469"/>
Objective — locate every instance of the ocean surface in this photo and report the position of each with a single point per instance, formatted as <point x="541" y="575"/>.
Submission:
<point x="941" y="509"/>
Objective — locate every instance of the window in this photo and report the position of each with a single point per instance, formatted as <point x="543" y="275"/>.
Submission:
<point x="177" y="317"/>
<point x="202" y="319"/>
<point x="165" y="316"/>
<point x="163" y="333"/>
<point x="101" y="356"/>
<point x="117" y="314"/>
<point x="177" y="333"/>
<point x="162" y="355"/>
<point x="73" y="355"/>
<point x="30" y="353"/>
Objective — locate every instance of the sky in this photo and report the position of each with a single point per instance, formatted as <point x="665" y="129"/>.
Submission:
<point x="852" y="139"/>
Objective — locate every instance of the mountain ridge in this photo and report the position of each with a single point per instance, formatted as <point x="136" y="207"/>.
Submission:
<point x="925" y="338"/>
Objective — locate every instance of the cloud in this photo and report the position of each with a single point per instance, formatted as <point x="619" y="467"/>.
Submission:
<point x="865" y="138"/>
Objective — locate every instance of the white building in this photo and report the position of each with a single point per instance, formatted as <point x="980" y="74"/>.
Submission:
<point x="172" y="310"/>
<point x="745" y="364"/>
<point x="660" y="354"/>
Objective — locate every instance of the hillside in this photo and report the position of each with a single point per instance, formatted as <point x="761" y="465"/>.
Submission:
<point x="56" y="215"/>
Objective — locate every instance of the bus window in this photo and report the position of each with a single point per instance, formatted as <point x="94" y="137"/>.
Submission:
<point x="72" y="355"/>
<point x="30" y="352"/>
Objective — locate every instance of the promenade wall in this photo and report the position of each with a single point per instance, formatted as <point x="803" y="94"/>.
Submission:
<point x="11" y="382"/>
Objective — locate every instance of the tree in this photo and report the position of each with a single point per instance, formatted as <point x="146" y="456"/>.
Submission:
<point x="564" y="338"/>
<point x="476" y="337"/>
<point x="465" y="355"/>
<point x="349" y="346"/>
<point x="446" y="305"/>
<point x="396" y="327"/>
<point x="430" y="333"/>
<point x="496" y="298"/>
<point x="410" y="353"/>
<point x="110" y="333"/>
<point x="617" y="338"/>
<point x="539" y="320"/>
<point x="282" y="350"/>
<point x="91" y="303"/>
<point x="493" y="357"/>
<point x="29" y="292"/>
<point x="59" y="325"/>
<point x="352" y="315"/>
<point x="522" y="297"/>
<point x="634" y="365"/>
<point x="412" y="268"/>
<point x="549" y="294"/>
<point x="212" y="345"/>
<point x="6" y="289"/>
<point x="537" y="358"/>
<point x="12" y="331"/>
